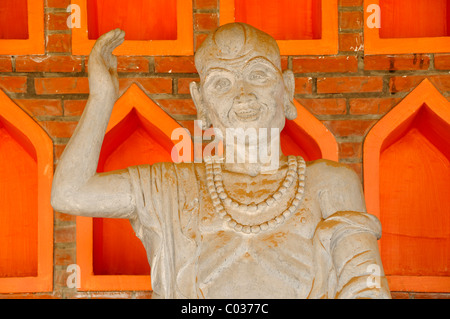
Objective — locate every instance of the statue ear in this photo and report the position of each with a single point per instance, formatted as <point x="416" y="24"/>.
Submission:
<point x="197" y="98"/>
<point x="289" y="83"/>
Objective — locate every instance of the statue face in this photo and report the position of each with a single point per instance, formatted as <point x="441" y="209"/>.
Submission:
<point x="244" y="94"/>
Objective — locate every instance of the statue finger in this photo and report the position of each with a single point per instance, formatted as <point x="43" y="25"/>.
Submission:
<point x="118" y="40"/>
<point x="119" y="37"/>
<point x="104" y="40"/>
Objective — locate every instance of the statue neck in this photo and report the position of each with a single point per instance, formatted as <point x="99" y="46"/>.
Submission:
<point x="247" y="161"/>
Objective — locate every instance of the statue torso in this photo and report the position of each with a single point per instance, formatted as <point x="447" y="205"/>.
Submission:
<point x="195" y="253"/>
<point x="279" y="261"/>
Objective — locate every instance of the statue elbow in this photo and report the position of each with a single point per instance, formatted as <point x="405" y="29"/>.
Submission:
<point x="62" y="200"/>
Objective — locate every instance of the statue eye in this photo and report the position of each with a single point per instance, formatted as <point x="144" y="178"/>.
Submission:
<point x="222" y="84"/>
<point x="258" y="76"/>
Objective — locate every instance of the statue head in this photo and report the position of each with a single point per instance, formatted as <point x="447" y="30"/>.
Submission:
<point x="241" y="82"/>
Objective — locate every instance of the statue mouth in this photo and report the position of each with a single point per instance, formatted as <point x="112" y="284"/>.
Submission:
<point x="248" y="114"/>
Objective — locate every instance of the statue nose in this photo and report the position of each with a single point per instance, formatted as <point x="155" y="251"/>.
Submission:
<point x="244" y="96"/>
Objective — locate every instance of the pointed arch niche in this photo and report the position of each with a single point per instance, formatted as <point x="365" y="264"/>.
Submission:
<point x="152" y="27"/>
<point x="26" y="217"/>
<point x="22" y="27"/>
<point x="301" y="27"/>
<point x="407" y="26"/>
<point x="109" y="254"/>
<point x="308" y="137"/>
<point x="407" y="186"/>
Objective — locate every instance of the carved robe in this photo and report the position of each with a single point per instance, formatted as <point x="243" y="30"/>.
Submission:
<point x="193" y="253"/>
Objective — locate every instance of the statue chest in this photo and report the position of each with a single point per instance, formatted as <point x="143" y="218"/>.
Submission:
<point x="277" y="263"/>
<point x="273" y="263"/>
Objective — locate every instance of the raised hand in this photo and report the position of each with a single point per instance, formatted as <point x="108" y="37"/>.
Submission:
<point x="103" y="79"/>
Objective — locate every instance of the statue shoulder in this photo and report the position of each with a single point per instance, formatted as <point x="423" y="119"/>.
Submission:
<point x="330" y="171"/>
<point x="336" y="187"/>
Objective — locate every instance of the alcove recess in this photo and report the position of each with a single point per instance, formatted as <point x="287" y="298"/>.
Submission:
<point x="152" y="27"/>
<point x="113" y="258"/>
<point x="22" y="27"/>
<point x="408" y="26"/>
<point x="26" y="217"/>
<point x="407" y="185"/>
<point x="308" y="27"/>
<point x="306" y="136"/>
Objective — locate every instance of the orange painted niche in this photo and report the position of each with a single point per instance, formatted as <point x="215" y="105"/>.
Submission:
<point x="407" y="185"/>
<point x="301" y="27"/>
<point x="22" y="27"/>
<point x="306" y="136"/>
<point x="407" y="26"/>
<point x="152" y="27"/>
<point x="109" y="254"/>
<point x="26" y="217"/>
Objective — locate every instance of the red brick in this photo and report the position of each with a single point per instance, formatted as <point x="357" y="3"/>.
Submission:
<point x="205" y="4"/>
<point x="340" y="64"/>
<point x="59" y="129"/>
<point x="400" y="295"/>
<point x="63" y="85"/>
<point x="183" y="85"/>
<point x="175" y="65"/>
<point x="74" y="294"/>
<point x="48" y="63"/>
<point x="132" y="64"/>
<point x="38" y="107"/>
<point x="355" y="84"/>
<point x="350" y="20"/>
<point x="199" y="38"/>
<point x="372" y="105"/>
<point x="60" y="275"/>
<point x="65" y="234"/>
<point x="56" y="21"/>
<point x="143" y="294"/>
<point x="349" y="127"/>
<point x="189" y="125"/>
<point x="60" y="217"/>
<point x="5" y="64"/>
<point x="205" y="21"/>
<point x="431" y="296"/>
<point x="399" y="62"/>
<point x="303" y="85"/>
<point x="13" y="84"/>
<point x="178" y="107"/>
<point x="59" y="43"/>
<point x="442" y="61"/>
<point x="64" y="257"/>
<point x="74" y="107"/>
<point x="284" y="62"/>
<point x="350" y="3"/>
<point x="350" y="42"/>
<point x="350" y="150"/>
<point x="112" y="295"/>
<point x="58" y="3"/>
<point x="128" y="64"/>
<point x="325" y="106"/>
<point x="149" y="85"/>
<point x="408" y="83"/>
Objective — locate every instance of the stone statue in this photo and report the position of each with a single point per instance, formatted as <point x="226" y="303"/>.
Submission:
<point x="221" y="229"/>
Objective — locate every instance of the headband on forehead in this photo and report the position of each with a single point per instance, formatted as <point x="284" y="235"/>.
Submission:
<point x="236" y="41"/>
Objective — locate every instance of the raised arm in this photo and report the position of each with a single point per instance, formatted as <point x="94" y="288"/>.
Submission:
<point x="77" y="188"/>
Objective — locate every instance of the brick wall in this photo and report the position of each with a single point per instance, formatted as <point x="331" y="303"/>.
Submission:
<point x="348" y="92"/>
